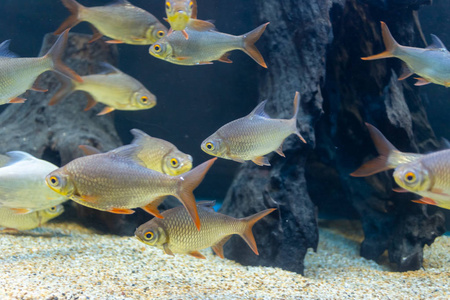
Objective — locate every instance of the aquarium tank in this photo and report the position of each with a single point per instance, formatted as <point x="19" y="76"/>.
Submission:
<point x="193" y="149"/>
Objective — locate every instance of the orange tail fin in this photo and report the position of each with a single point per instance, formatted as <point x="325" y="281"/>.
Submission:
<point x="188" y="182"/>
<point x="380" y="163"/>
<point x="74" y="7"/>
<point x="250" y="39"/>
<point x="55" y="54"/>
<point x="247" y="234"/>
<point x="389" y="42"/>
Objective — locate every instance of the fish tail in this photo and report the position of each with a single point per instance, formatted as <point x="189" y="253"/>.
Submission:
<point x="380" y="163"/>
<point x="293" y="120"/>
<point x="74" y="7"/>
<point x="389" y="42"/>
<point x="250" y="39"/>
<point x="249" y="221"/>
<point x="55" y="55"/>
<point x="187" y="184"/>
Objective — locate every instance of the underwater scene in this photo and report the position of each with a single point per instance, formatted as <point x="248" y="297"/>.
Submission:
<point x="240" y="149"/>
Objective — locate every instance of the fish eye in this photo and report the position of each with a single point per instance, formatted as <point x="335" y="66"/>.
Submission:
<point x="52" y="209"/>
<point x="160" y="33"/>
<point x="410" y="177"/>
<point x="144" y="99"/>
<point x="174" y="162"/>
<point x="157" y="48"/>
<point x="191" y="5"/>
<point x="148" y="235"/>
<point x="209" y="146"/>
<point x="54" y="180"/>
<point x="168" y="6"/>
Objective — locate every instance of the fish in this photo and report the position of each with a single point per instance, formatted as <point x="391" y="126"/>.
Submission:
<point x="115" y="182"/>
<point x="112" y="87"/>
<point x="429" y="177"/>
<point x="22" y="184"/>
<point x="11" y="220"/>
<point x="203" y="47"/>
<point x="121" y="21"/>
<point x="389" y="156"/>
<point x="17" y="74"/>
<point x="432" y="64"/>
<point x="253" y="136"/>
<point x="156" y="154"/>
<point x="183" y="13"/>
<point x="176" y="234"/>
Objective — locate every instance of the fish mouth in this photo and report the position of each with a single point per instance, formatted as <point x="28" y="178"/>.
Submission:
<point x="179" y="20"/>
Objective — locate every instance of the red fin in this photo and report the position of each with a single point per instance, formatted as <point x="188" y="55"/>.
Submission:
<point x="389" y="42"/>
<point x="114" y="42"/>
<point x="406" y="72"/>
<point x="201" y="25"/>
<point x="170" y="30"/>
<point x="72" y="20"/>
<point x="421" y="81"/>
<point x="261" y="161"/>
<point x="55" y="54"/>
<point x="90" y="102"/>
<point x="106" y="110"/>
<point x="121" y="211"/>
<point x="36" y="88"/>
<point x="89" y="150"/>
<point x="89" y="199"/>
<point x="152" y="208"/>
<point x="380" y="163"/>
<point x="185" y="34"/>
<point x="218" y="248"/>
<point x="96" y="35"/>
<point x="187" y="183"/>
<point x="21" y="211"/>
<point x="400" y="190"/>
<point x="197" y="254"/>
<point x="280" y="151"/>
<point x="224" y="58"/>
<point x="250" y="39"/>
<point x="17" y="100"/>
<point x="66" y="88"/>
<point x="425" y="201"/>
<point x="247" y="235"/>
<point x="167" y="249"/>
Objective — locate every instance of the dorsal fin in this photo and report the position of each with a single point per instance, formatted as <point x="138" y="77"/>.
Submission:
<point x="4" y="50"/>
<point x="118" y="2"/>
<point x="436" y="44"/>
<point x="19" y="156"/>
<point x="259" y="111"/>
<point x="108" y="68"/>
<point x="206" y="204"/>
<point x="129" y="152"/>
<point x="138" y="135"/>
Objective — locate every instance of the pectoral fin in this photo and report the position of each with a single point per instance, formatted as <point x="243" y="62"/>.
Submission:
<point x="17" y="100"/>
<point x="106" y="110"/>
<point x="114" y="42"/>
<point x="167" y="249"/>
<point x="425" y="200"/>
<point x="197" y="254"/>
<point x="261" y="161"/>
<point x="185" y="34"/>
<point x="21" y="211"/>
<point x="205" y="63"/>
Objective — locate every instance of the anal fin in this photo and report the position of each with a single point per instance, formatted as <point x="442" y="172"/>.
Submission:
<point x="18" y="100"/>
<point x="121" y="211"/>
<point x="261" y="161"/>
<point x="106" y="110"/>
<point x="224" y="58"/>
<point x="90" y="102"/>
<point x="152" y="208"/>
<point x="218" y="248"/>
<point x="421" y="81"/>
<point x="96" y="35"/>
<point x="280" y="151"/>
<point x="425" y="200"/>
<point x="406" y="72"/>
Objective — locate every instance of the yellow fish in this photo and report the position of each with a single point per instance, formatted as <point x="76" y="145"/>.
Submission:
<point x="180" y="13"/>
<point x="113" y="88"/>
<point x="253" y="136"/>
<point x="155" y="154"/>
<point x="120" y="20"/>
<point x="203" y="47"/>
<point x="114" y="182"/>
<point x="11" y="220"/>
<point x="431" y="63"/>
<point x="428" y="176"/>
<point x="176" y="233"/>
<point x="389" y="157"/>
<point x="18" y="74"/>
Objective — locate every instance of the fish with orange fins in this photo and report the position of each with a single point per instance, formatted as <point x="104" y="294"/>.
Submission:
<point x="176" y="234"/>
<point x="121" y="21"/>
<point x="182" y="13"/>
<point x="17" y="74"/>
<point x="203" y="47"/>
<point x="11" y="220"/>
<point x="112" y="87"/>
<point x="432" y="64"/>
<point x="116" y="182"/>
<point x="423" y="174"/>
<point x="253" y="136"/>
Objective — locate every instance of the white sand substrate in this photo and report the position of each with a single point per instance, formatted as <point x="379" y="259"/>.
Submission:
<point x="67" y="261"/>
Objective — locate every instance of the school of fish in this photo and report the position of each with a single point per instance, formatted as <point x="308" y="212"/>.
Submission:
<point x="144" y="172"/>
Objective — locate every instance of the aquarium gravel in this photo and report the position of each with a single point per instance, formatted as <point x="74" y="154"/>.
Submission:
<point x="67" y="261"/>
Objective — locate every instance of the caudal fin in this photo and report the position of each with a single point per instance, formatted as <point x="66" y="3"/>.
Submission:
<point x="187" y="184"/>
<point x="247" y="234"/>
<point x="389" y="42"/>
<point x="380" y="163"/>
<point x="74" y="7"/>
<point x="294" y="118"/>
<point x="250" y="39"/>
<point x="55" y="54"/>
